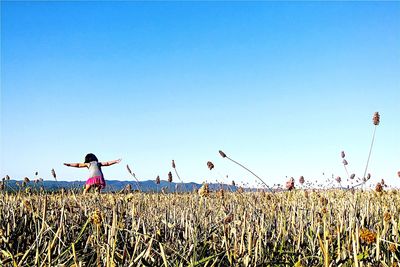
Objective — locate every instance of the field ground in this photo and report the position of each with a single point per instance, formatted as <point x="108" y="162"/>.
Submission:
<point x="296" y="228"/>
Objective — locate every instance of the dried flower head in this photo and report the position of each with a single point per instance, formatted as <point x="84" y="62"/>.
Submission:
<point x="36" y="173"/>
<point x="233" y="183"/>
<point x="222" y="154"/>
<point x="210" y="165"/>
<point x="158" y="179"/>
<point x="367" y="236"/>
<point x="290" y="184"/>
<point x="376" y="118"/>
<point x="342" y="154"/>
<point x="338" y="179"/>
<point x="387" y="217"/>
<point x="220" y="193"/>
<point x="170" y="177"/>
<point x="128" y="188"/>
<point x="203" y="191"/>
<point x="228" y="218"/>
<point x="383" y="182"/>
<point x="129" y="169"/>
<point x="352" y="176"/>
<point x="96" y="217"/>
<point x="368" y="176"/>
<point x="53" y="173"/>
<point x="378" y="188"/>
<point x="345" y="162"/>
<point x="398" y="174"/>
<point x="26" y="204"/>
<point x="301" y="179"/>
<point x="393" y="248"/>
<point x="323" y="201"/>
<point x="173" y="164"/>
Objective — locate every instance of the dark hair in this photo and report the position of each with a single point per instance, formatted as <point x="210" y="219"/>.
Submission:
<point x="90" y="157"/>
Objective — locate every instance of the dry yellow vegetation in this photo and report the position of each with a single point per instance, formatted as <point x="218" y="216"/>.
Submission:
<point x="296" y="228"/>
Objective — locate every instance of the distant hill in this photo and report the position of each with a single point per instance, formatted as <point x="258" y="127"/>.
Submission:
<point x="116" y="185"/>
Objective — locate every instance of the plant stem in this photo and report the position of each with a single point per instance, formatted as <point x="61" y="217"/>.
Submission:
<point x="251" y="173"/>
<point x="369" y="154"/>
<point x="176" y="172"/>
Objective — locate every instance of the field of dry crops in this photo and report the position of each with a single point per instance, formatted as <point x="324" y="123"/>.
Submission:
<point x="294" y="228"/>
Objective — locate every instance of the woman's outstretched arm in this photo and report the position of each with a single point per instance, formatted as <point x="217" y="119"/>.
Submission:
<point x="112" y="162"/>
<point x="76" y="165"/>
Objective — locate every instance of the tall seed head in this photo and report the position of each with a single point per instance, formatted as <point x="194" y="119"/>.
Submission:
<point x="210" y="165"/>
<point x="290" y="184"/>
<point x="376" y="118"/>
<point x="53" y="173"/>
<point x="343" y="154"/>
<point x="345" y="162"/>
<point x="173" y="164"/>
<point x="129" y="169"/>
<point x="222" y="154"/>
<point x="378" y="188"/>
<point x="352" y="176"/>
<point x="158" y="179"/>
<point x="338" y="179"/>
<point x="170" y="177"/>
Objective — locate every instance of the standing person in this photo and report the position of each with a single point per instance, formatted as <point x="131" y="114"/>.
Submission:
<point x="96" y="177"/>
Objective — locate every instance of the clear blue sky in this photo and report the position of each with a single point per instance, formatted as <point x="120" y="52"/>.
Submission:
<point x="280" y="87"/>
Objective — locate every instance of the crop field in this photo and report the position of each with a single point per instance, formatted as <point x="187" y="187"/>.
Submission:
<point x="221" y="228"/>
